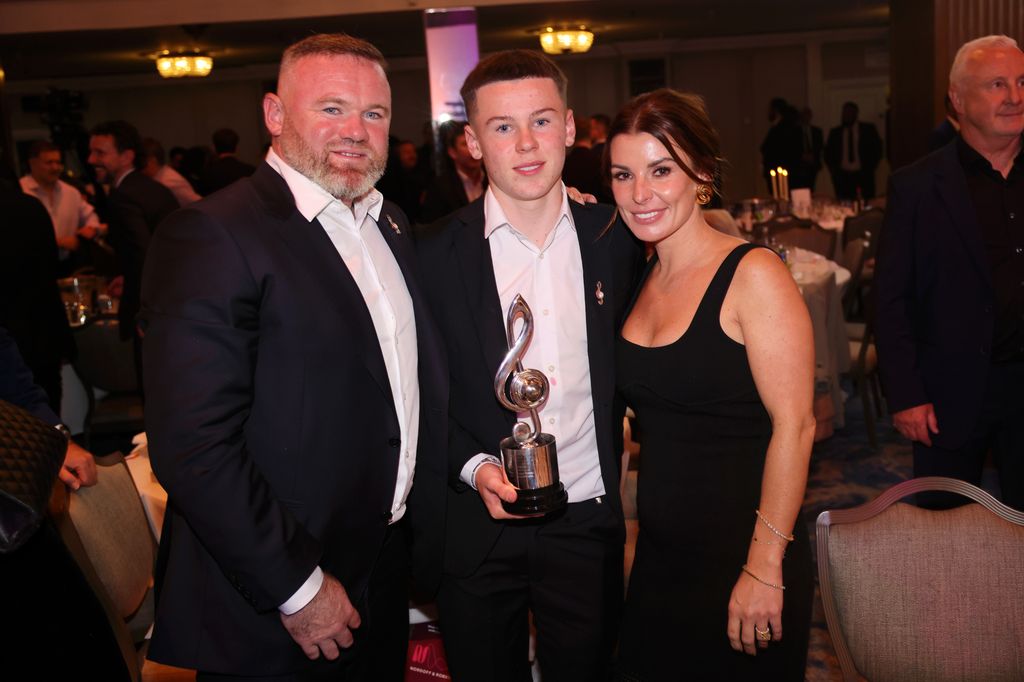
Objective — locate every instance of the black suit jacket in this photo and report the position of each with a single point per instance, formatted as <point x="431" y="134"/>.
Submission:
<point x="869" y="147"/>
<point x="934" y="296"/>
<point x="463" y="294"/>
<point x="134" y="209"/>
<point x="30" y="306"/>
<point x="223" y="171"/>
<point x="272" y="426"/>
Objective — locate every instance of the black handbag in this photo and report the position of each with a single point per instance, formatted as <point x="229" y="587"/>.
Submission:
<point x="31" y="454"/>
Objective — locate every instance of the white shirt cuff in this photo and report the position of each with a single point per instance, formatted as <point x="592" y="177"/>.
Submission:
<point x="468" y="473"/>
<point x="304" y="594"/>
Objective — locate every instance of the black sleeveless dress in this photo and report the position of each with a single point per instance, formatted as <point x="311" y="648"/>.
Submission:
<point x="704" y="433"/>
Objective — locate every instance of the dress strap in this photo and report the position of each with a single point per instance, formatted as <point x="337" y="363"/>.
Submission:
<point x="715" y="295"/>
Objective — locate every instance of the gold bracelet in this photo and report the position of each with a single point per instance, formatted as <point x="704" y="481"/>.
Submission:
<point x="765" y="521"/>
<point x="769" y="542"/>
<point x="763" y="582"/>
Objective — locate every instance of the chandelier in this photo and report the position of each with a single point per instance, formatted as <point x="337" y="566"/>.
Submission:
<point x="180" y="64"/>
<point x="566" y="40"/>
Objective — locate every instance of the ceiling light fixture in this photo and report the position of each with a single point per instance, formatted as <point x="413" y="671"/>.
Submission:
<point x="180" y="64"/>
<point x="566" y="40"/>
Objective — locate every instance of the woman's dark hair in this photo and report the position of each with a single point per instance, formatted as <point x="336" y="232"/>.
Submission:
<point x="679" y="121"/>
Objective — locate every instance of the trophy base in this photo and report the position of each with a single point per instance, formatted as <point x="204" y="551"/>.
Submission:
<point x="538" y="501"/>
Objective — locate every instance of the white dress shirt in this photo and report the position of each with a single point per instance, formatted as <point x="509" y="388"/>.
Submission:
<point x="550" y="278"/>
<point x="176" y="182"/>
<point x="68" y="210"/>
<point x="369" y="259"/>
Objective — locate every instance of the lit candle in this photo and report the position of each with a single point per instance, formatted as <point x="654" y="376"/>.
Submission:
<point x="775" y="184"/>
<point x="785" y="184"/>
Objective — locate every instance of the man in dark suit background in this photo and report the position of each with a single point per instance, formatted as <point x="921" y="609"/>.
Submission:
<point x="461" y="179"/>
<point x="226" y="168"/>
<point x="135" y="206"/>
<point x="524" y="236"/>
<point x="950" y="283"/>
<point x="806" y="172"/>
<point x="852" y="154"/>
<point x="296" y="393"/>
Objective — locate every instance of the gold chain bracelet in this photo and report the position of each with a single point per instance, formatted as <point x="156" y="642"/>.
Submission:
<point x="765" y="521"/>
<point x="762" y="581"/>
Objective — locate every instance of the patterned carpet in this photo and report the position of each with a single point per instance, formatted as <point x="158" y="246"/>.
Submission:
<point x="846" y="472"/>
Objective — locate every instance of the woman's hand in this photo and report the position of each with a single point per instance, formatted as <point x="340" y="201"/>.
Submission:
<point x="755" y="606"/>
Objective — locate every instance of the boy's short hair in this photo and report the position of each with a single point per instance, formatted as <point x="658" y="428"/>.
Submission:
<point x="510" y="65"/>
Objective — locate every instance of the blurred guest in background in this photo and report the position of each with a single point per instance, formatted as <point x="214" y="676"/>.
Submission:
<point x="412" y="181"/>
<point x="73" y="217"/>
<point x="852" y="154"/>
<point x="226" y="167"/>
<point x="176" y="158"/>
<point x="582" y="166"/>
<point x="163" y="173"/>
<point x="726" y="416"/>
<point x="806" y="172"/>
<point x="31" y="308"/>
<point x="945" y="132"/>
<point x="461" y="179"/>
<point x="136" y="205"/>
<point x="783" y="143"/>
<point x="950" y="304"/>
<point x="599" y="133"/>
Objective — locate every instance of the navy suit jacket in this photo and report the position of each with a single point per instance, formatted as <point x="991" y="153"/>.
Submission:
<point x="272" y="425"/>
<point x="934" y="296"/>
<point x="464" y="296"/>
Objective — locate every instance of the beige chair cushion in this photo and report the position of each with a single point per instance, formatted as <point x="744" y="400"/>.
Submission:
<point x="941" y="594"/>
<point x="111" y="523"/>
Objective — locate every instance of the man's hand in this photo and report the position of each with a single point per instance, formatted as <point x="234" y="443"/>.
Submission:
<point x="79" y="467"/>
<point x="88" y="231"/>
<point x="325" y="623"/>
<point x="579" y="197"/>
<point x="493" y="488"/>
<point x="915" y="423"/>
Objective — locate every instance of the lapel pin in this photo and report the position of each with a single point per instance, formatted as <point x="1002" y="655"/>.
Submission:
<point x="598" y="294"/>
<point x="393" y="224"/>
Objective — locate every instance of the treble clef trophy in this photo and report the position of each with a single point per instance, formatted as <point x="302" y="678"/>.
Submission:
<point x="528" y="456"/>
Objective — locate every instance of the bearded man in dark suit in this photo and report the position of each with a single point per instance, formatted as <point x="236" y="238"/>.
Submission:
<point x="296" y="397"/>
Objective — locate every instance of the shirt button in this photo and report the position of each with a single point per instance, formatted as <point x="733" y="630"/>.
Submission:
<point x="551" y="421"/>
<point x="541" y="256"/>
<point x="551" y="368"/>
<point x="547" y="312"/>
<point x="1012" y="215"/>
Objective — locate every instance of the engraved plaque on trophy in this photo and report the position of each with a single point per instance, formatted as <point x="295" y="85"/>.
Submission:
<point x="528" y="456"/>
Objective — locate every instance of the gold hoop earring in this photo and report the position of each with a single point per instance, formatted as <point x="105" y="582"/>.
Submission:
<point x="704" y="194"/>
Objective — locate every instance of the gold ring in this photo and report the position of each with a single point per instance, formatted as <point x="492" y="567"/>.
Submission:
<point x="763" y="635"/>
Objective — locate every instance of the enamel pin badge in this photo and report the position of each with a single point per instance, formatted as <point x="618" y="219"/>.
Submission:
<point x="598" y="294"/>
<point x="393" y="224"/>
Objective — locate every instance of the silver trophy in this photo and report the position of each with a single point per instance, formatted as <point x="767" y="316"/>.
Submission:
<point x="528" y="456"/>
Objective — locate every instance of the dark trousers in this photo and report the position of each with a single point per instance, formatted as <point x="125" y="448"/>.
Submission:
<point x="382" y="639"/>
<point x="567" y="570"/>
<point x="1000" y="429"/>
<point x="846" y="183"/>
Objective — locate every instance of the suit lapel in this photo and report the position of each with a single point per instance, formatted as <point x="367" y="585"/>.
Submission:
<point x="477" y="271"/>
<point x="315" y="252"/>
<point x="600" y="308"/>
<point x="954" y="196"/>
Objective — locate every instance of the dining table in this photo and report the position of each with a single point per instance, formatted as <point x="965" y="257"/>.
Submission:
<point x="822" y="282"/>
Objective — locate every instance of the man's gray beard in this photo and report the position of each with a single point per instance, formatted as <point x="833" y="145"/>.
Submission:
<point x="345" y="185"/>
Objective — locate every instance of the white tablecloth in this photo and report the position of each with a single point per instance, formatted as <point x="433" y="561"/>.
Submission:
<point x="822" y="283"/>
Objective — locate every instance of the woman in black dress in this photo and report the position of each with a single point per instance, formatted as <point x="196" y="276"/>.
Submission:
<point x="716" y="357"/>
